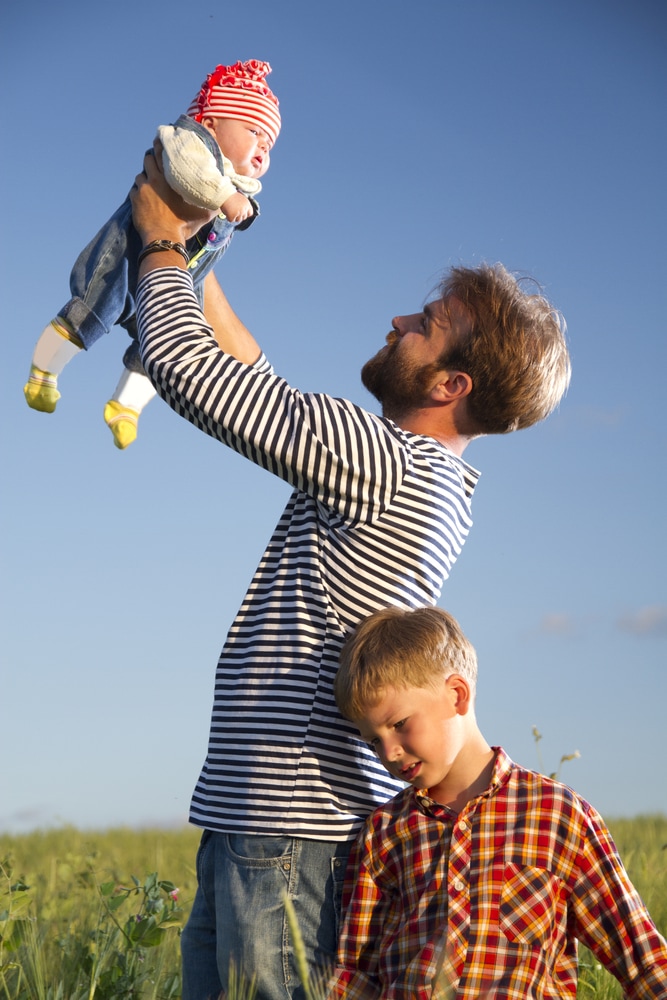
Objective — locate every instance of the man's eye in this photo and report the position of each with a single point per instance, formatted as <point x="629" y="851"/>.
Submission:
<point x="399" y="725"/>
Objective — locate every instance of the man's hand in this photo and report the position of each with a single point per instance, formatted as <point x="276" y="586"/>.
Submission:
<point x="158" y="212"/>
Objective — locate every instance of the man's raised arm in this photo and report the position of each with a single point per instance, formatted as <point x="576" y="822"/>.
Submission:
<point x="234" y="338"/>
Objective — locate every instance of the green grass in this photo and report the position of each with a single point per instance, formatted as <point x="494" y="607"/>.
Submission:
<point x="94" y="920"/>
<point x="93" y="915"/>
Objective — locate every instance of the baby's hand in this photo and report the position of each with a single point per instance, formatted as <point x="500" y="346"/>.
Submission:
<point x="237" y="207"/>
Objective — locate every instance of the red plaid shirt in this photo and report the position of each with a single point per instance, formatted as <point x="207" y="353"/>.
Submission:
<point x="491" y="902"/>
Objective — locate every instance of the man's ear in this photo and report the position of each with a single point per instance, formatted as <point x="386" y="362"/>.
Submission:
<point x="451" y="386"/>
<point x="208" y="122"/>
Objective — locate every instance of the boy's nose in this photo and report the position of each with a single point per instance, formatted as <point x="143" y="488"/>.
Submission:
<point x="391" y="750"/>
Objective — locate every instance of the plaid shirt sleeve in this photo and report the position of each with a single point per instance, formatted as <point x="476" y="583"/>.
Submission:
<point x="611" y="919"/>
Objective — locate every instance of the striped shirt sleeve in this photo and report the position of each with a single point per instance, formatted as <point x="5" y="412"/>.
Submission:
<point x="336" y="452"/>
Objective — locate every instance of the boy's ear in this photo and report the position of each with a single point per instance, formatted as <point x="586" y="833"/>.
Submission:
<point x="460" y="692"/>
<point x="451" y="385"/>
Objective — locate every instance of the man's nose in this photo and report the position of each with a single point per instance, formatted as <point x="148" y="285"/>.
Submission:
<point x="397" y="324"/>
<point x="402" y="324"/>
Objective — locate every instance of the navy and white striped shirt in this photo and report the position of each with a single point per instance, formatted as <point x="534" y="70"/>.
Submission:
<point x="377" y="517"/>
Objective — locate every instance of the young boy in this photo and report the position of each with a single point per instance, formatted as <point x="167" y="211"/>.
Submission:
<point x="213" y="157"/>
<point x="478" y="879"/>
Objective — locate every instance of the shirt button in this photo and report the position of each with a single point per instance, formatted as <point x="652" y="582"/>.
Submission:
<point x="286" y="866"/>
<point x="463" y="826"/>
<point x="459" y="884"/>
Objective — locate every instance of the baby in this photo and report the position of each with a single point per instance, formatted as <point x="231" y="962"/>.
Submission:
<point x="213" y="156"/>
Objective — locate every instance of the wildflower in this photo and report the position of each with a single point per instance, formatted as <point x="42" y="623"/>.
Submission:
<point x="174" y="894"/>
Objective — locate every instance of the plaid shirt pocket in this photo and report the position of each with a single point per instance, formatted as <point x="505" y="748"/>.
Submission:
<point x="531" y="905"/>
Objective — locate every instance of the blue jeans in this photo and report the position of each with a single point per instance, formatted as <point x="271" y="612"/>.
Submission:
<point x="238" y="913"/>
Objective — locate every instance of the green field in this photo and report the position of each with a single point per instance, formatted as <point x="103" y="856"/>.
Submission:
<point x="86" y="915"/>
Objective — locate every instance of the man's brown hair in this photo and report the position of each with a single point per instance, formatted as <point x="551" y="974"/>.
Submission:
<point x="515" y="352"/>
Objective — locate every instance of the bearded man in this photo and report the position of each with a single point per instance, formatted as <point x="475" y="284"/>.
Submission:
<point x="379" y="512"/>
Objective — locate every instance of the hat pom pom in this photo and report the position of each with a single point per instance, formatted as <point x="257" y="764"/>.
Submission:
<point x="248" y="75"/>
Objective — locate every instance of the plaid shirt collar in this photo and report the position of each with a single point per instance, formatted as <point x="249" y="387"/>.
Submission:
<point x="502" y="770"/>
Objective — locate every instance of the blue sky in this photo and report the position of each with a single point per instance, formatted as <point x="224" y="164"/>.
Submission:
<point x="415" y="135"/>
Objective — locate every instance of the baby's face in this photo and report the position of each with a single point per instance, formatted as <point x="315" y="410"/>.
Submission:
<point x="247" y="145"/>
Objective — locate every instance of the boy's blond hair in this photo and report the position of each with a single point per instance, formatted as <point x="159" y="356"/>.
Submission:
<point x="515" y="353"/>
<point x="400" y="649"/>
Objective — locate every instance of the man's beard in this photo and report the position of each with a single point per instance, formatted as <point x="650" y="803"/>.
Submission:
<point x="398" y="384"/>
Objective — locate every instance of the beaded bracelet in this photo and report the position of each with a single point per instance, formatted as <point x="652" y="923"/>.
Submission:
<point x="157" y="245"/>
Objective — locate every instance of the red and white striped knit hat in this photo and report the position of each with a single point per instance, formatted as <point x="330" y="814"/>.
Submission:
<point x="239" y="91"/>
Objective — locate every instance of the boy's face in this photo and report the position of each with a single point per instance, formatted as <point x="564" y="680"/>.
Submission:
<point x="417" y="732"/>
<point x="247" y="145"/>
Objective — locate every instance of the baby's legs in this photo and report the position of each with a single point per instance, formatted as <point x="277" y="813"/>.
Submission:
<point x="133" y="392"/>
<point x="57" y="345"/>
